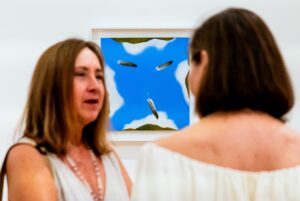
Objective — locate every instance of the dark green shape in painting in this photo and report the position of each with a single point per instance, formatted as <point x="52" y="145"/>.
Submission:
<point x="150" y="127"/>
<point x="138" y="40"/>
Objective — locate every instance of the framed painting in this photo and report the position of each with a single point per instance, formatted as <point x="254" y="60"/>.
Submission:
<point x="146" y="73"/>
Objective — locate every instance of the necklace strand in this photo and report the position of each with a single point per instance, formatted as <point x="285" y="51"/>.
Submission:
<point x="96" y="196"/>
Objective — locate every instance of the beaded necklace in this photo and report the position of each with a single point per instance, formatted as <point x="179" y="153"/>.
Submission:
<point x="97" y="196"/>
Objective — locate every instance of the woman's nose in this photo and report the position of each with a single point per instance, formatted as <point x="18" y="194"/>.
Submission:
<point x="93" y="84"/>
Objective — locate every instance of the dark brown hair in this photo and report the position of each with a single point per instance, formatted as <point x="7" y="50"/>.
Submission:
<point x="245" y="68"/>
<point x="48" y="115"/>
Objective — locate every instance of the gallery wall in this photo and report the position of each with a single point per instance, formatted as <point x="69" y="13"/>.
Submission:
<point x="27" y="28"/>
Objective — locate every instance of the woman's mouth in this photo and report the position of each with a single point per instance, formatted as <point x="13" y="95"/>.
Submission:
<point x="91" y="101"/>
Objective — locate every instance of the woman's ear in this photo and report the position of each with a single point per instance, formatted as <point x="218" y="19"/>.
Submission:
<point x="204" y="59"/>
<point x="196" y="72"/>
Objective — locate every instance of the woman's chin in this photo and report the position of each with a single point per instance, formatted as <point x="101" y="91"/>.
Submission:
<point x="88" y="119"/>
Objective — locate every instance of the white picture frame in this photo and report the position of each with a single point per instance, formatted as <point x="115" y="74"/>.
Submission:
<point x="141" y="136"/>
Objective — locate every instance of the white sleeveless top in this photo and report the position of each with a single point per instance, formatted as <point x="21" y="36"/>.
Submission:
<point x="70" y="187"/>
<point x="164" y="175"/>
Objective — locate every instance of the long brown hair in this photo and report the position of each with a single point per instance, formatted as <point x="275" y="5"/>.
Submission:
<point x="48" y="115"/>
<point x="245" y="69"/>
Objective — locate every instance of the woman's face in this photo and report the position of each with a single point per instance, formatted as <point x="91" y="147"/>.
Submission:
<point x="88" y="86"/>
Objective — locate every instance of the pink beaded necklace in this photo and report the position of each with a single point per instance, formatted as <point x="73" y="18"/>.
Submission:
<point x="97" y="196"/>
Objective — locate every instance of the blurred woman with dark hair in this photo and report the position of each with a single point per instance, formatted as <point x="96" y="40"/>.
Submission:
<point x="241" y="148"/>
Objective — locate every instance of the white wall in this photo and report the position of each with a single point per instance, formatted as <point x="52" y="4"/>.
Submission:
<point x="28" y="27"/>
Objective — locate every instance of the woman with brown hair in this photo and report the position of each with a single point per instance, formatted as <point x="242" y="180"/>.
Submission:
<point x="64" y="153"/>
<point x="241" y="148"/>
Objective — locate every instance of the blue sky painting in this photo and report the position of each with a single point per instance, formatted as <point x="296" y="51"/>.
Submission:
<point x="146" y="81"/>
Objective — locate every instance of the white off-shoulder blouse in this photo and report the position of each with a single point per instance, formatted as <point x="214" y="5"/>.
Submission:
<point x="165" y="175"/>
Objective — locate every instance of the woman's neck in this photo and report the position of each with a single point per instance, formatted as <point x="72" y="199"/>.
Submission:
<point x="243" y="119"/>
<point x="76" y="149"/>
<point x="75" y="136"/>
<point x="246" y="114"/>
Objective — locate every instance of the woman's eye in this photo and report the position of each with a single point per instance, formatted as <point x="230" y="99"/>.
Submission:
<point x="80" y="74"/>
<point x="99" y="77"/>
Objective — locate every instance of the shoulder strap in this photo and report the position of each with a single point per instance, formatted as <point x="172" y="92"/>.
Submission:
<point x="3" y="167"/>
<point x="2" y="174"/>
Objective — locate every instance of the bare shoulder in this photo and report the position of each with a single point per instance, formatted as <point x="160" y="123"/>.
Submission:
<point x="26" y="156"/>
<point x="178" y="140"/>
<point x="29" y="175"/>
<point x="168" y="141"/>
<point x="292" y="136"/>
<point x="194" y="142"/>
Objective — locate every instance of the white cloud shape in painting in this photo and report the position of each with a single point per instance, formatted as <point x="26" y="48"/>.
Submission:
<point x="137" y="48"/>
<point x="180" y="74"/>
<point x="115" y="99"/>
<point x="162" y="121"/>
